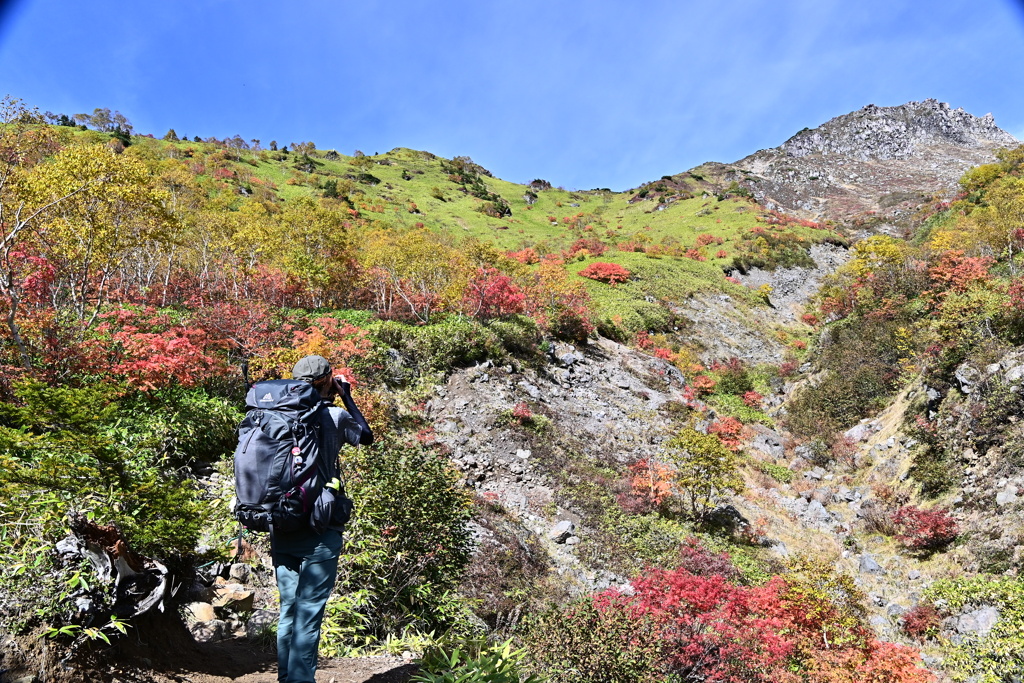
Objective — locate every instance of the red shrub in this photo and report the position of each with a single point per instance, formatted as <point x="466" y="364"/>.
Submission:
<point x="703" y="384"/>
<point x="643" y="340"/>
<point x="699" y="561"/>
<point x="521" y="413"/>
<point x="492" y="294"/>
<point x="922" y="621"/>
<point x="924" y="530"/>
<point x="650" y="485"/>
<point x="706" y="238"/>
<point x="527" y="256"/>
<point x="721" y="253"/>
<point x="594" y="247"/>
<point x="728" y="430"/>
<point x="810" y="319"/>
<point x="695" y="254"/>
<point x="958" y="272"/>
<point x="630" y="246"/>
<point x="783" y="631"/>
<point x="174" y="356"/>
<point x="664" y="354"/>
<point x="752" y="399"/>
<point x="611" y="273"/>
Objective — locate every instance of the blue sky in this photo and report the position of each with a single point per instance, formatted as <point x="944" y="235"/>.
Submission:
<point x="600" y="93"/>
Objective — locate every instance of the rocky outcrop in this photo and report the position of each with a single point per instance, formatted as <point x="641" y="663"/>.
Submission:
<point x="874" y="166"/>
<point x="604" y="403"/>
<point x="883" y="133"/>
<point x="792" y="287"/>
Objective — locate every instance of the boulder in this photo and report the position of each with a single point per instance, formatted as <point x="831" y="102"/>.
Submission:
<point x="233" y="595"/>
<point x="201" y="611"/>
<point x="769" y="442"/>
<point x="895" y="609"/>
<point x="978" y="622"/>
<point x="1006" y="496"/>
<point x="860" y="432"/>
<point x="209" y="631"/>
<point x="967" y="376"/>
<point x="562" y="531"/>
<point x="868" y="565"/>
<point x="240" y="572"/>
<point x="260" y="623"/>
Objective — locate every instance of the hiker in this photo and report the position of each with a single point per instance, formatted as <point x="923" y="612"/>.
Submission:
<point x="306" y="562"/>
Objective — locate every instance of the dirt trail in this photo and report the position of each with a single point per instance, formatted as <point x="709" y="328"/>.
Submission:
<point x="234" y="659"/>
<point x="237" y="660"/>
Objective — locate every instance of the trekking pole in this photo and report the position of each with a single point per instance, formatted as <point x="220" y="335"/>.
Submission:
<point x="245" y="374"/>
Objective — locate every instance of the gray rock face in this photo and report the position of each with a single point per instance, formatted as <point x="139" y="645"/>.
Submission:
<point x="967" y="376"/>
<point x="868" y="565"/>
<point x="978" y="622"/>
<point x="562" y="531"/>
<point x="883" y="133"/>
<point x="887" y="160"/>
<point x="792" y="287"/>
<point x="768" y="441"/>
<point x="1006" y="496"/>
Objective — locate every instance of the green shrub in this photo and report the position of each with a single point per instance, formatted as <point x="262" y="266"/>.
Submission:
<point x="521" y="416"/>
<point x="932" y="470"/>
<point x="517" y="334"/>
<point x="779" y="473"/>
<point x="732" y="378"/>
<point x="488" y="664"/>
<point x="71" y="450"/>
<point x="771" y="250"/>
<point x="705" y="470"/>
<point x="731" y="405"/>
<point x="407" y="545"/>
<point x="994" y="658"/>
<point x="582" y="642"/>
<point x="183" y="425"/>
<point x="836" y="402"/>
<point x="68" y="442"/>
<point x="455" y="341"/>
<point x="861" y="369"/>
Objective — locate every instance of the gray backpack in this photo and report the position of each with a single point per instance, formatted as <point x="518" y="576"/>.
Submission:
<point x="279" y="476"/>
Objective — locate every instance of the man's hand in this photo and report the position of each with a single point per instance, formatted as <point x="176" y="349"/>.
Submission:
<point x="341" y="385"/>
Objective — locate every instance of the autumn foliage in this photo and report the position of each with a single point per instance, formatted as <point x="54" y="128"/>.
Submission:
<point x="924" y="530"/>
<point x="796" y="628"/>
<point x="611" y="273"/>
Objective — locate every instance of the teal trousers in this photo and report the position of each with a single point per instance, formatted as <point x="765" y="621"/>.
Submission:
<point x="306" y="565"/>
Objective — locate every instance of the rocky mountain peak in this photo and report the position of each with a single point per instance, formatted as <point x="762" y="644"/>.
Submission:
<point x="873" y="167"/>
<point x="897" y="132"/>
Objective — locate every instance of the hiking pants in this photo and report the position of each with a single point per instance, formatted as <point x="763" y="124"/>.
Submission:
<point x="306" y="564"/>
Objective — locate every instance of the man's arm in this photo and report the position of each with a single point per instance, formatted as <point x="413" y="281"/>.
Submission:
<point x="343" y="389"/>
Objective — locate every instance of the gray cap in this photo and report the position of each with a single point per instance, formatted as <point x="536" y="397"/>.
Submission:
<point x="311" y="368"/>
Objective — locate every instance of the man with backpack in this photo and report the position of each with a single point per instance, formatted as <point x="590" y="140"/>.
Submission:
<point x="287" y="481"/>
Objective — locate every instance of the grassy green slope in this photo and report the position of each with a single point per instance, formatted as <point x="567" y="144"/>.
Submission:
<point x="404" y="187"/>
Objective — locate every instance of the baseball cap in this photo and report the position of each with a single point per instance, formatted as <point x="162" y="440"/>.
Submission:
<point x="311" y="368"/>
